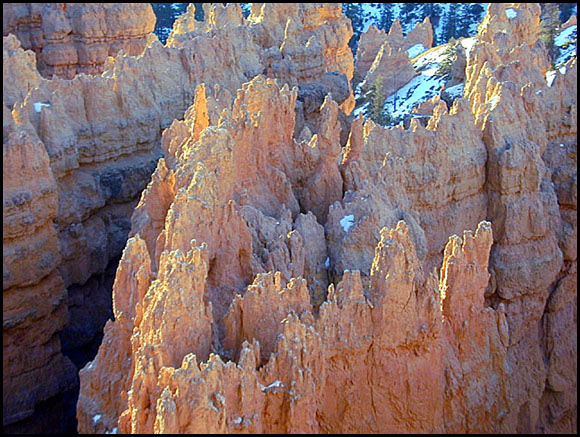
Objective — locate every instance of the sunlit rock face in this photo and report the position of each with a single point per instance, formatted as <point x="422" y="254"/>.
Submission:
<point x="274" y="280"/>
<point x="358" y="309"/>
<point x="241" y="272"/>
<point x="72" y="38"/>
<point x="101" y="135"/>
<point x="531" y="145"/>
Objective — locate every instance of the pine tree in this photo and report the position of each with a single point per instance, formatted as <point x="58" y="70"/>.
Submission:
<point x="451" y="24"/>
<point x="566" y="11"/>
<point x="463" y="20"/>
<point x="166" y="13"/>
<point x="446" y="66"/>
<point x="376" y="110"/>
<point x="549" y="28"/>
<point x="386" y="16"/>
<point x="246" y="9"/>
<point x="409" y="16"/>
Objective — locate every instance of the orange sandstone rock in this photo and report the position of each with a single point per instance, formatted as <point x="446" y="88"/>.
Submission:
<point x="72" y="38"/>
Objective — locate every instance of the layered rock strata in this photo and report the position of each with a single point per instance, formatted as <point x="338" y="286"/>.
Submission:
<point x="72" y="38"/>
<point x="102" y="137"/>
<point x="34" y="295"/>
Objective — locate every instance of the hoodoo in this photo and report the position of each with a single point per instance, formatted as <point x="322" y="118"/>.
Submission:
<point x="280" y="262"/>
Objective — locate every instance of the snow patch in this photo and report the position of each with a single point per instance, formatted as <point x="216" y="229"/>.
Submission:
<point x="96" y="418"/>
<point x="511" y="13"/>
<point x="566" y="43"/>
<point x="327" y="263"/>
<point x="468" y="44"/>
<point x="456" y="90"/>
<point x="494" y="101"/>
<point x="567" y="35"/>
<point x="415" y="51"/>
<point x="275" y="384"/>
<point x="38" y="106"/>
<point x="550" y="76"/>
<point x="346" y="222"/>
<point x="238" y="420"/>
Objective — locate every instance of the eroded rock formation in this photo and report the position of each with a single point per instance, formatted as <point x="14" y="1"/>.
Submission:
<point x="275" y="281"/>
<point x="357" y="309"/>
<point x="386" y="55"/>
<point x="102" y="137"/>
<point x="72" y="38"/>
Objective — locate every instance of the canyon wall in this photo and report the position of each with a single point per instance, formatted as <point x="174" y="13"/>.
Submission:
<point x="95" y="141"/>
<point x="288" y="269"/>
<point x="72" y="38"/>
<point x="275" y="282"/>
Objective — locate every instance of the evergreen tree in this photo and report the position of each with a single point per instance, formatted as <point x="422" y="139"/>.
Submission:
<point x="246" y="9"/>
<point x="410" y="14"/>
<point x="376" y="110"/>
<point x="166" y="13"/>
<point x="463" y="21"/>
<point x="199" y="14"/>
<point x="444" y="69"/>
<point x="451" y="23"/>
<point x="566" y="11"/>
<point x="549" y="28"/>
<point x="386" y="16"/>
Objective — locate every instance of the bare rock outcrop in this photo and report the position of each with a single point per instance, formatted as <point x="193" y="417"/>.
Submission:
<point x="274" y="281"/>
<point x="368" y="289"/>
<point x="385" y="54"/>
<point x="72" y="38"/>
<point x="532" y="256"/>
<point x="102" y="133"/>
<point x="34" y="297"/>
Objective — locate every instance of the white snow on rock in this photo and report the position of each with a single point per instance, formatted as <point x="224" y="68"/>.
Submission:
<point x="468" y="43"/>
<point x="566" y="43"/>
<point x="415" y="51"/>
<point x="550" y="76"/>
<point x="96" y="418"/>
<point x="511" y="13"/>
<point x="346" y="222"/>
<point x="456" y="90"/>
<point x="567" y="35"/>
<point x="275" y="384"/>
<point x="38" y="106"/>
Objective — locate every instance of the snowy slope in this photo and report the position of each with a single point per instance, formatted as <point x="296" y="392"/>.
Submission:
<point x="566" y="42"/>
<point x="421" y="88"/>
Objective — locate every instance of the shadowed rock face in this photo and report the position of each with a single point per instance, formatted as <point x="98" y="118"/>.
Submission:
<point x="72" y="38"/>
<point x="274" y="281"/>
<point x="385" y="56"/>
